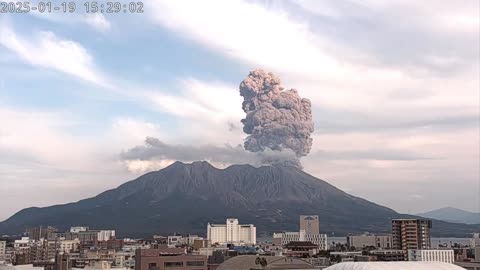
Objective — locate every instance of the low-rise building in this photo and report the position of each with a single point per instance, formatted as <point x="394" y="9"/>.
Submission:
<point x="68" y="246"/>
<point x="300" y="249"/>
<point x="389" y="255"/>
<point x="182" y="240"/>
<point x="20" y="267"/>
<point x="346" y="256"/>
<point x="431" y="255"/>
<point x="469" y="265"/>
<point x="168" y="258"/>
<point x="3" y="247"/>
<point x="23" y="243"/>
<point x="377" y="241"/>
<point x="282" y="239"/>
<point x="78" y="229"/>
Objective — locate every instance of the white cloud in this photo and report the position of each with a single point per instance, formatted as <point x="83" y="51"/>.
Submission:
<point x="271" y="38"/>
<point x="46" y="50"/>
<point x="41" y="150"/>
<point x="98" y="22"/>
<point x="249" y="32"/>
<point x="205" y="100"/>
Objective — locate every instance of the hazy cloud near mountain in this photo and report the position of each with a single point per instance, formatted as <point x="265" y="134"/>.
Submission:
<point x="154" y="149"/>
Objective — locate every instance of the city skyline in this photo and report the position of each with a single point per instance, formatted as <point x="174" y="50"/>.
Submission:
<point x="394" y="92"/>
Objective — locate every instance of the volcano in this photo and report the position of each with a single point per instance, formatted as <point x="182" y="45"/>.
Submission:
<point x="183" y="198"/>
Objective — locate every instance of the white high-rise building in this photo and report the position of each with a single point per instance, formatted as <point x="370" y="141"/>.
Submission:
<point x="232" y="233"/>
<point x="431" y="255"/>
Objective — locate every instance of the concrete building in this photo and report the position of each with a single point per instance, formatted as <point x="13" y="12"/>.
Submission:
<point x="475" y="241"/>
<point x="232" y="233"/>
<point x="346" y="256"/>
<point x="40" y="232"/>
<point x="282" y="239"/>
<point x="310" y="224"/>
<point x="378" y="241"/>
<point x="309" y="232"/>
<point x="431" y="255"/>
<point x="469" y="265"/>
<point x="476" y="252"/>
<point x="300" y="249"/>
<point x="62" y="262"/>
<point x="20" y="267"/>
<point x="168" y="258"/>
<point x="105" y="235"/>
<point x="22" y="243"/>
<point x="78" y="229"/>
<point x="394" y="266"/>
<point x="411" y="234"/>
<point x="3" y="247"/>
<point x="179" y="240"/>
<point x="68" y="246"/>
<point x="389" y="255"/>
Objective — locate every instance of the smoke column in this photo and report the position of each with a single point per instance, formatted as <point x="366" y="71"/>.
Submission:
<point x="277" y="119"/>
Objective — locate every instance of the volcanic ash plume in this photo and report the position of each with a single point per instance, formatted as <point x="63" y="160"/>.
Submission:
<point x="277" y="119"/>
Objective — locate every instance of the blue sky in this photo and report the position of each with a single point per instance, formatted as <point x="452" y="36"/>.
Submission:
<point x="394" y="87"/>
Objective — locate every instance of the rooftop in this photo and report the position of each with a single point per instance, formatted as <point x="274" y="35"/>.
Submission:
<point x="394" y="266"/>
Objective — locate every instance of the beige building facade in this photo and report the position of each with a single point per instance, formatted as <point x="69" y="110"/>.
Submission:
<point x="310" y="224"/>
<point x="232" y="233"/>
<point x="378" y="241"/>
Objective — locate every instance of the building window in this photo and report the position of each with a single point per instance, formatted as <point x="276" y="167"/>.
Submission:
<point x="152" y="266"/>
<point x="173" y="264"/>
<point x="195" y="263"/>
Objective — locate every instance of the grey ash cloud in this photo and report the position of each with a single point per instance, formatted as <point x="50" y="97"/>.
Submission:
<point x="276" y="119"/>
<point x="278" y="123"/>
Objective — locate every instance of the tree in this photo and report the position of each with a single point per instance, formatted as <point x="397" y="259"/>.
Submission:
<point x="261" y="261"/>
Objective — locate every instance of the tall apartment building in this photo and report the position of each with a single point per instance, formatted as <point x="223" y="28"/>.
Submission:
<point x="232" y="233"/>
<point x="310" y="224"/>
<point x="168" y="258"/>
<point x="411" y="234"/>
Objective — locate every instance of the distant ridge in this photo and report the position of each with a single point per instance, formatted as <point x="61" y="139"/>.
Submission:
<point x="452" y="214"/>
<point x="185" y="197"/>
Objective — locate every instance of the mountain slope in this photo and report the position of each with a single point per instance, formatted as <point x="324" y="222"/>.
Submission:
<point x="453" y="215"/>
<point x="185" y="197"/>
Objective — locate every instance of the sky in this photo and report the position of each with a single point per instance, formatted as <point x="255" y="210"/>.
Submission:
<point x="394" y="86"/>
